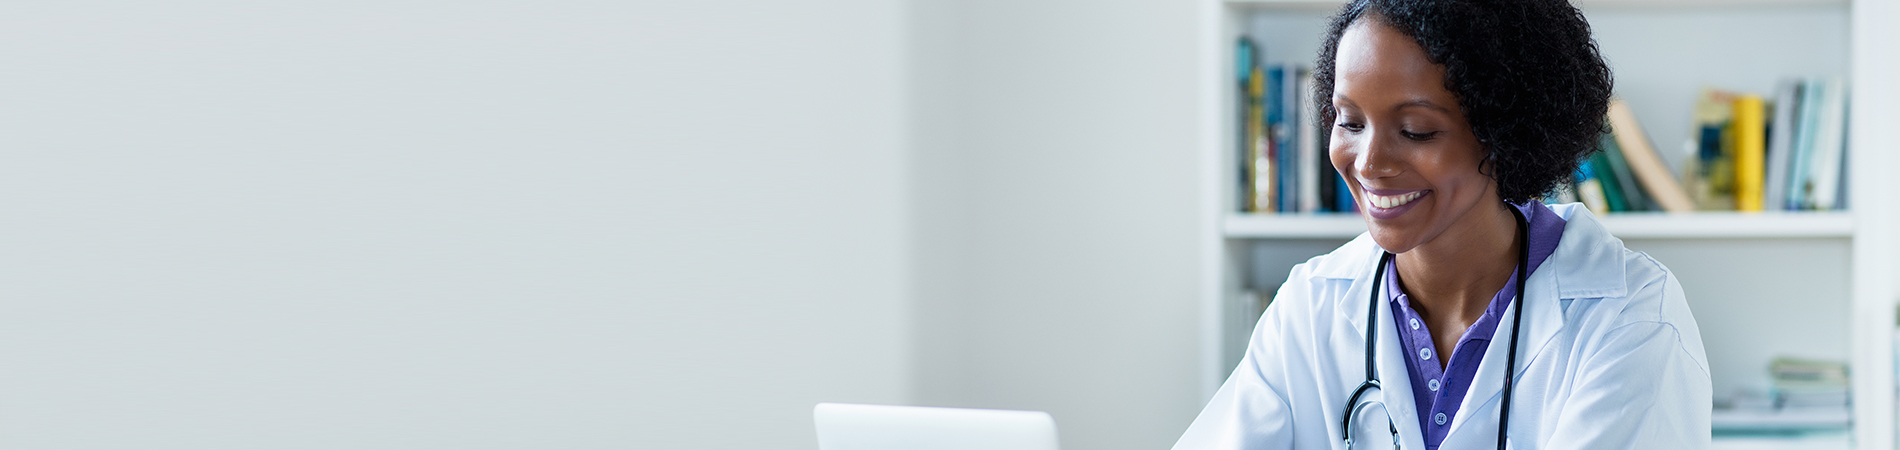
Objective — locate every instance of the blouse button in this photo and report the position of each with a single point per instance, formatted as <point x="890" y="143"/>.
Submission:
<point x="1433" y="384"/>
<point x="1414" y="324"/>
<point x="1424" y="353"/>
<point x="1440" y="418"/>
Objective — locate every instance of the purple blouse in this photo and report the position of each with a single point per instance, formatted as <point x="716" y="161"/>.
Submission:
<point x="1438" y="392"/>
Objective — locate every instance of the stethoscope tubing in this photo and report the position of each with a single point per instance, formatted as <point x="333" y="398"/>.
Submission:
<point x="1510" y="359"/>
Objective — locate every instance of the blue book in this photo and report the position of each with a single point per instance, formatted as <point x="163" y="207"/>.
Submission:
<point x="1283" y="115"/>
<point x="1275" y="126"/>
<point x="1244" y="55"/>
<point x="1808" y="123"/>
<point x="1291" y="163"/>
<point x="1346" y="203"/>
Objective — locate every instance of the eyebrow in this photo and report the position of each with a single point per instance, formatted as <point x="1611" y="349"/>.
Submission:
<point x="1414" y="103"/>
<point x="1421" y="103"/>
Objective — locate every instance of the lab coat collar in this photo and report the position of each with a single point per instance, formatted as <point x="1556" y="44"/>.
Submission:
<point x="1588" y="263"/>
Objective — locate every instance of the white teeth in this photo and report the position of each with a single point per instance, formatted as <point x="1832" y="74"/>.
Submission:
<point x="1392" y="201"/>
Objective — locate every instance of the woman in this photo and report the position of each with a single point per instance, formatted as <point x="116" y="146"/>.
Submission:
<point x="1449" y="119"/>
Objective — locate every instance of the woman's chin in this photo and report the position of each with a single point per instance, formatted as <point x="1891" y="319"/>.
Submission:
<point x="1393" y="240"/>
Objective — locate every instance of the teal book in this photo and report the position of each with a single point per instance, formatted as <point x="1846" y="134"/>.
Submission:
<point x="1634" y="199"/>
<point x="1612" y="191"/>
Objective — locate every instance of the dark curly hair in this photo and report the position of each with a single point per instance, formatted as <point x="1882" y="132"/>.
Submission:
<point x="1526" y="73"/>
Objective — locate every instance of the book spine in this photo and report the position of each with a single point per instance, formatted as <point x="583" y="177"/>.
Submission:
<point x="1829" y="144"/>
<point x="1749" y="127"/>
<point x="1276" y="130"/>
<point x="1310" y="156"/>
<point x="1259" y="173"/>
<point x="1799" y="167"/>
<point x="1347" y="203"/>
<point x="1246" y="109"/>
<point x="1644" y="161"/>
<point x="1285" y="141"/>
<point x="1590" y="190"/>
<point x="1625" y="181"/>
<point x="1612" y="192"/>
<point x="1781" y="135"/>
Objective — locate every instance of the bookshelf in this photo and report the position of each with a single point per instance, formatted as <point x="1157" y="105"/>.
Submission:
<point x="1709" y="225"/>
<point x="1740" y="270"/>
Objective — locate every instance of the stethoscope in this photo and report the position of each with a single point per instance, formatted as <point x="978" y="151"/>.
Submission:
<point x="1510" y="359"/>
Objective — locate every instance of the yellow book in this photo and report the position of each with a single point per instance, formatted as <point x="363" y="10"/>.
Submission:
<point x="1750" y="136"/>
<point x="1260" y="189"/>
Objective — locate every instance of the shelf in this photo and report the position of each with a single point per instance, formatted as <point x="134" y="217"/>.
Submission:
<point x="1732" y="225"/>
<point x="1294" y="226"/>
<point x="1840" y="441"/>
<point x="1702" y="225"/>
<point x="1329" y="5"/>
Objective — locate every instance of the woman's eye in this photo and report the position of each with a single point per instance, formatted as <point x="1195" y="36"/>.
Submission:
<point x="1353" y="127"/>
<point x="1418" y="136"/>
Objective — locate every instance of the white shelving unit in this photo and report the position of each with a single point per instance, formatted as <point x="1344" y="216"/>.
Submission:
<point x="1710" y="225"/>
<point x="1761" y="283"/>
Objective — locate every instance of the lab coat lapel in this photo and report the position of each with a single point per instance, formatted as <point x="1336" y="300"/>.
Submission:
<point x="1543" y="319"/>
<point x="1395" y="385"/>
<point x="1361" y="257"/>
<point x="1586" y="264"/>
<point x="1355" y="262"/>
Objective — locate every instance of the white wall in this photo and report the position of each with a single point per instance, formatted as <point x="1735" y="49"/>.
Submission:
<point x="546" y="224"/>
<point x="1057" y="194"/>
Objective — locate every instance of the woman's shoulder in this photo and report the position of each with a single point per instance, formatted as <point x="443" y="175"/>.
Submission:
<point x="1609" y="292"/>
<point x="1631" y="286"/>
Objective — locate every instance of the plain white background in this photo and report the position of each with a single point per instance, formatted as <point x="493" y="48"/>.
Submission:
<point x="573" y="224"/>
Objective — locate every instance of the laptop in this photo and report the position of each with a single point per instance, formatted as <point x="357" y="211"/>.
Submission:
<point x="843" y="426"/>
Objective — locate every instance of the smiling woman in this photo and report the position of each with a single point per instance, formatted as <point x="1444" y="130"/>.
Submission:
<point x="1449" y="118"/>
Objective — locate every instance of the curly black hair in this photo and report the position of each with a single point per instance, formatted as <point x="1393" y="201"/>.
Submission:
<point x="1527" y="75"/>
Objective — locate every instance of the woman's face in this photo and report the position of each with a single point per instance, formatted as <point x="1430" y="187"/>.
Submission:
<point x="1401" y="140"/>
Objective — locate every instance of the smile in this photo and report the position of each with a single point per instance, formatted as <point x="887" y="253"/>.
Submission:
<point x="1392" y="201"/>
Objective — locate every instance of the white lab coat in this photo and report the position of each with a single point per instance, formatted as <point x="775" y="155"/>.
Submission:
<point x="1610" y="358"/>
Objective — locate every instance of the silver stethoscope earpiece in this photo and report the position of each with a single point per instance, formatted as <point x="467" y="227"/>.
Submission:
<point x="1372" y="326"/>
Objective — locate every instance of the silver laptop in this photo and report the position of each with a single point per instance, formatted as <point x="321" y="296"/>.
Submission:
<point x="844" y="426"/>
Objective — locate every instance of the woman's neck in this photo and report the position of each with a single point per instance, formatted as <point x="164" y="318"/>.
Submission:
<point x="1452" y="278"/>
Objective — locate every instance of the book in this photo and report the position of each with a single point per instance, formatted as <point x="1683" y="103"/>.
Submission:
<point x="1590" y="190"/>
<point x="1830" y="141"/>
<point x="1644" y="162"/>
<point x="1780" y="422"/>
<point x="1749" y="128"/>
<point x="1247" y="105"/>
<point x="1330" y="186"/>
<point x="1284" y="79"/>
<point x="1261" y="170"/>
<point x="1709" y="168"/>
<point x="1781" y="138"/>
<point x="1631" y="189"/>
<point x="1807" y="121"/>
<point x="1612" y="191"/>
<point x="1346" y="201"/>
<point x="1791" y="373"/>
<point x="1310" y="156"/>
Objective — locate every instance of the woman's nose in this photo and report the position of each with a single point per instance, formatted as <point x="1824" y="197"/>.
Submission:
<point x="1376" y="157"/>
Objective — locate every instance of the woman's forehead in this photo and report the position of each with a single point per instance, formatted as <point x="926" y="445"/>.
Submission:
<point x="1379" y="67"/>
